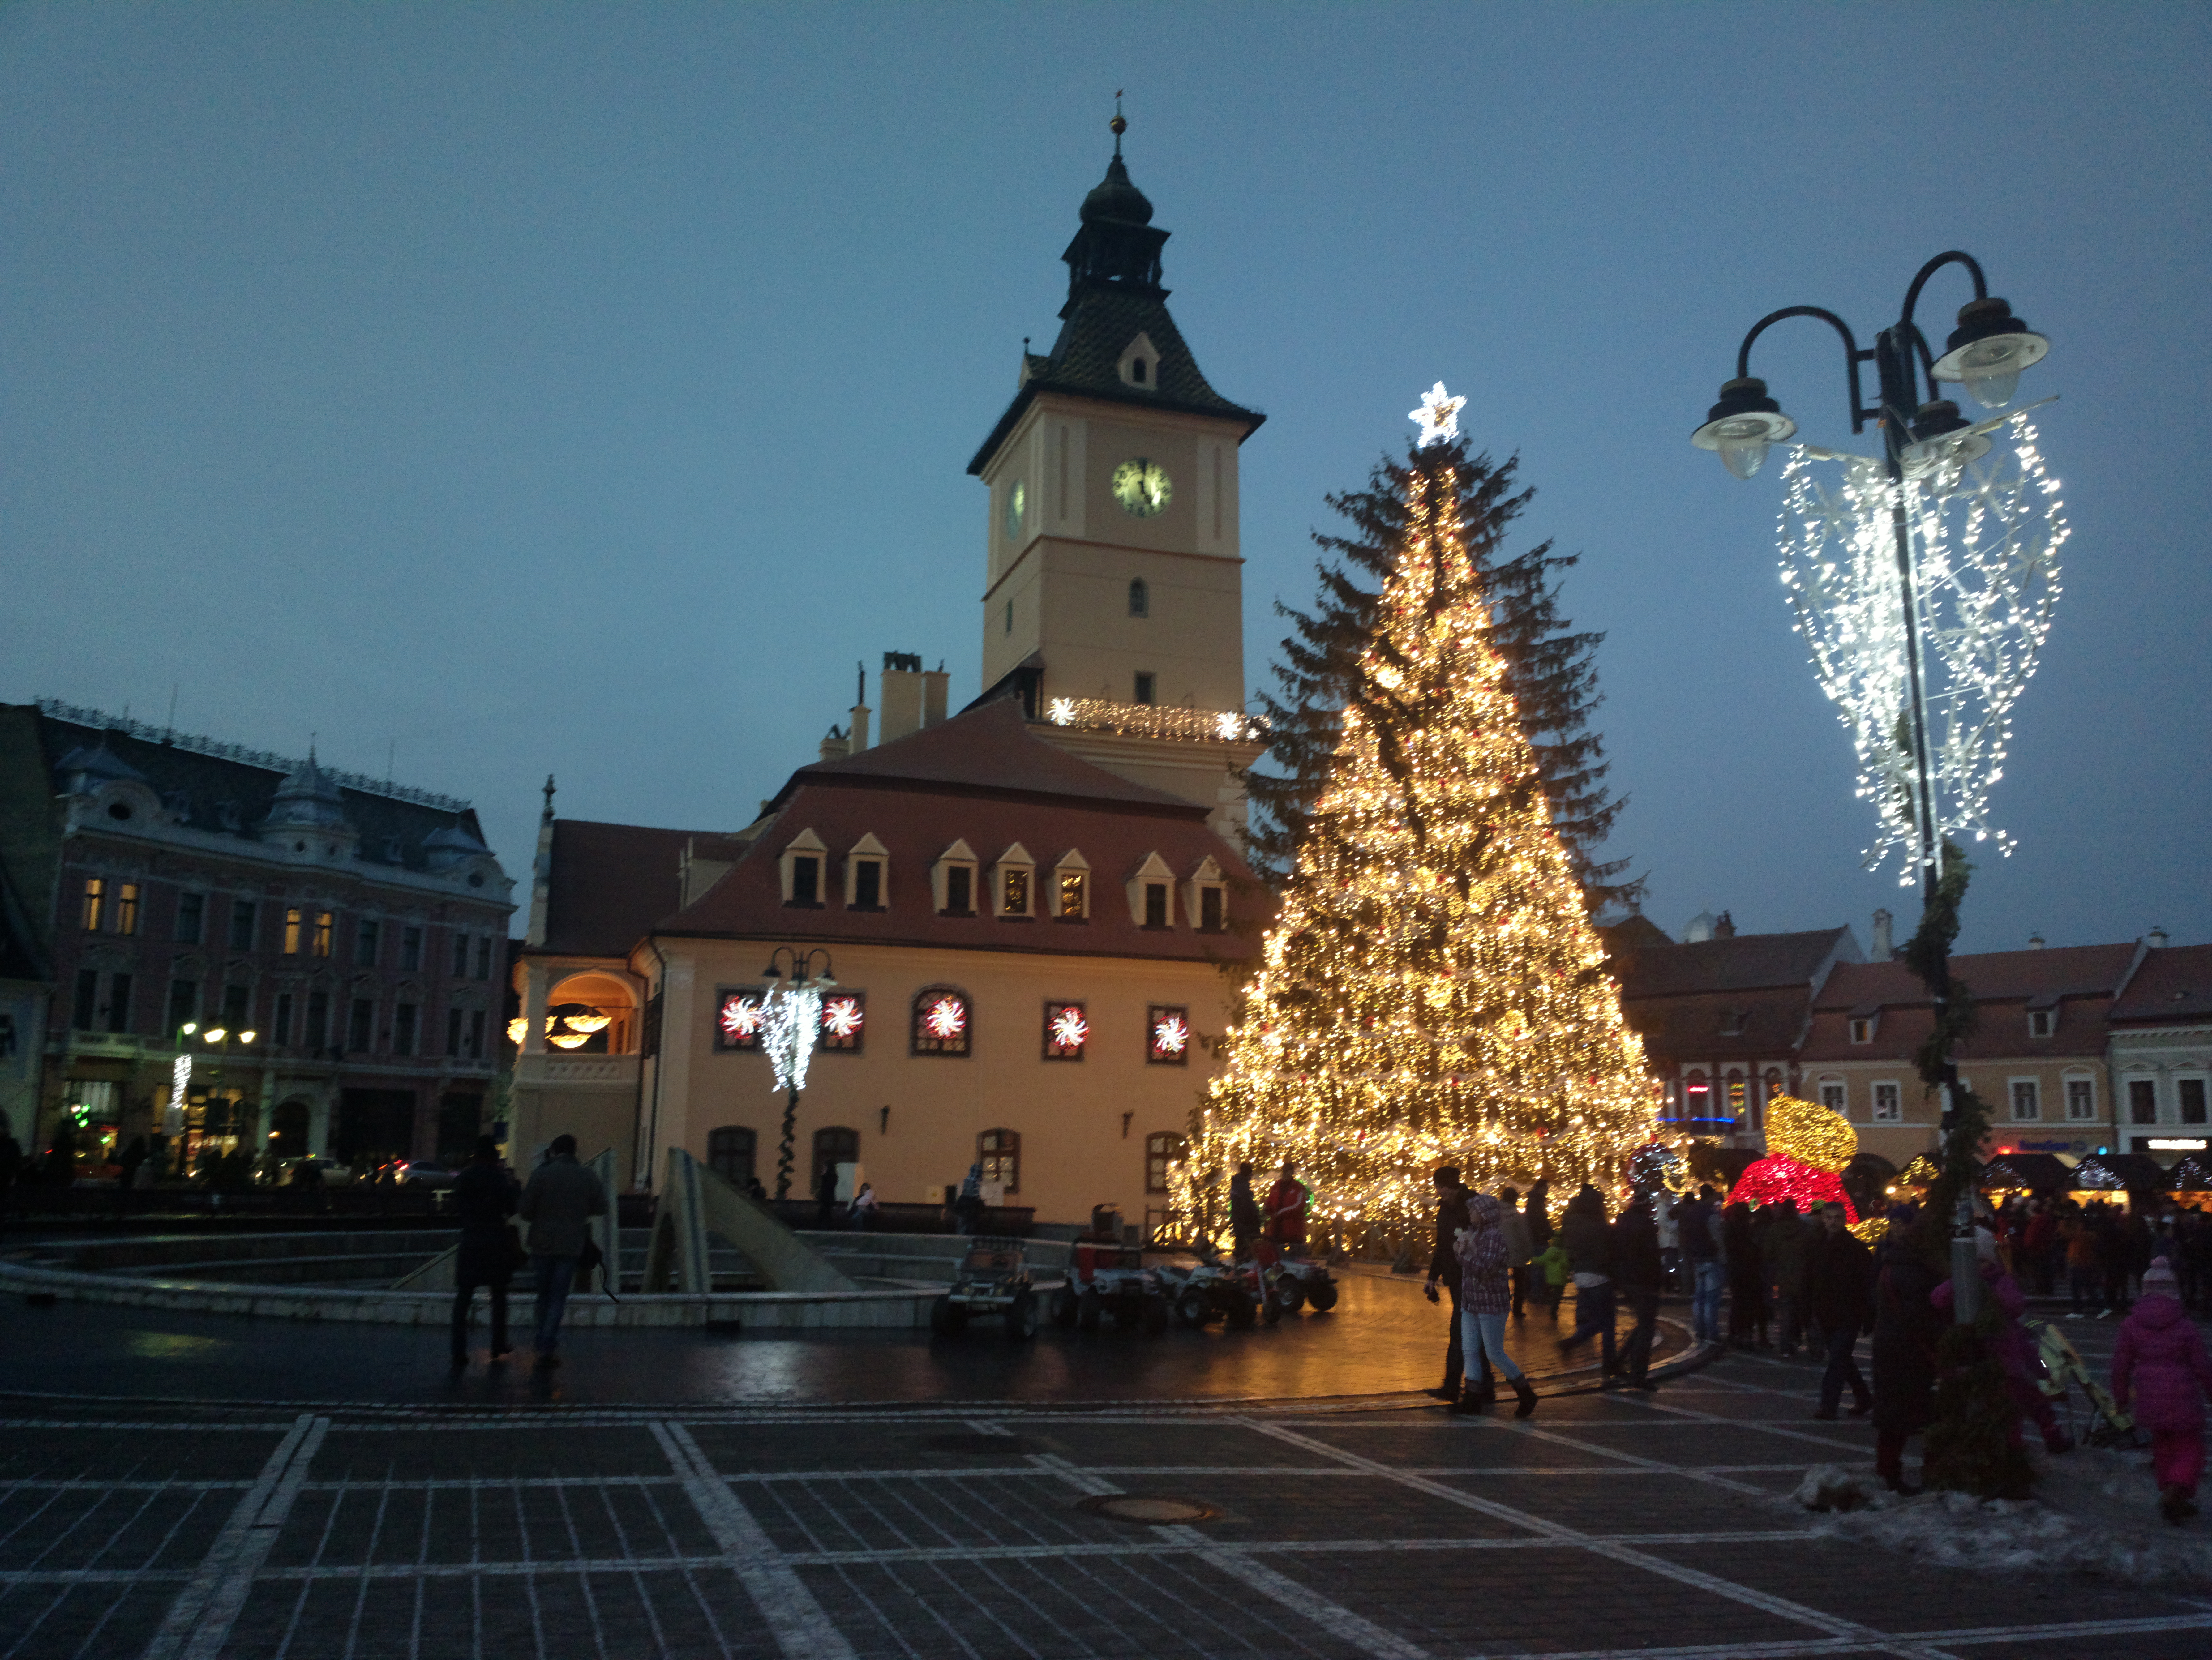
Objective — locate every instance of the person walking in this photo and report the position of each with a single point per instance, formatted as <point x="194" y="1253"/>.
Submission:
<point x="1838" y="1271"/>
<point x="484" y="1198"/>
<point x="1244" y="1213"/>
<point x="1639" y="1272"/>
<point x="1444" y="1266"/>
<point x="1517" y="1251"/>
<point x="2160" y="1364"/>
<point x="1589" y="1241"/>
<point x="2078" y="1239"/>
<point x="559" y="1202"/>
<point x="1552" y="1263"/>
<point x="127" y="1172"/>
<point x="1701" y="1251"/>
<point x="1484" y="1296"/>
<point x="2038" y="1240"/>
<point x="1536" y="1217"/>
<point x="1905" y="1329"/>
<point x="1787" y="1236"/>
<point x="825" y="1196"/>
<point x="1287" y="1210"/>
<point x="863" y="1215"/>
<point x="1746" y="1279"/>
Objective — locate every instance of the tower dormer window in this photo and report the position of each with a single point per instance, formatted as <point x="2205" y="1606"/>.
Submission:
<point x="1205" y="899"/>
<point x="1014" y="884"/>
<point x="953" y="881"/>
<point x="1140" y="598"/>
<point x="1139" y="364"/>
<point x="1070" y="887"/>
<point x="1152" y="894"/>
<point x="868" y="875"/>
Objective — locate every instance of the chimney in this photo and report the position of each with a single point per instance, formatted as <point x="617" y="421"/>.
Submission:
<point x="2035" y="942"/>
<point x="1725" y="928"/>
<point x="833" y="747"/>
<point x="900" y="687"/>
<point x="1882" y="948"/>
<point x="2155" y="940"/>
<point x="932" y="695"/>
<point x="858" y="738"/>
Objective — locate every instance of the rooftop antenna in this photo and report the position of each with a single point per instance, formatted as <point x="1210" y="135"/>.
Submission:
<point x="1117" y="126"/>
<point x="860" y="688"/>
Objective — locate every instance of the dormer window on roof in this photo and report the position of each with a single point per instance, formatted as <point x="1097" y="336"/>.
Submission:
<point x="1863" y="1026"/>
<point x="1152" y="894"/>
<point x="1206" y="896"/>
<point x="1140" y="366"/>
<point x="1070" y="887"/>
<point x="803" y="861"/>
<point x="953" y="881"/>
<point x="868" y="875"/>
<point x="1013" y="884"/>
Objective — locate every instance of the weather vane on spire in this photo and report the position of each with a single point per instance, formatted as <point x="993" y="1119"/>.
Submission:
<point x="1439" y="416"/>
<point x="1117" y="126"/>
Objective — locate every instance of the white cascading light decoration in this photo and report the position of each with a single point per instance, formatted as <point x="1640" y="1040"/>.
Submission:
<point x="1985" y="536"/>
<point x="790" y="1021"/>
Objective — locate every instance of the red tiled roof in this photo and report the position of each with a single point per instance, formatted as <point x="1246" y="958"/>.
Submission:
<point x="610" y="882"/>
<point x="1990" y="976"/>
<point x="2173" y="984"/>
<point x="985" y="779"/>
<point x="1675" y="1030"/>
<point x="1745" y="962"/>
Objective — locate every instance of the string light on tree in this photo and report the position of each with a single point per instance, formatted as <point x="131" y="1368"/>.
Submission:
<point x="1431" y="991"/>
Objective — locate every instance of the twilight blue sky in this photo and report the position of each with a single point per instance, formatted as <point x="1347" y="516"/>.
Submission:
<point x="584" y="389"/>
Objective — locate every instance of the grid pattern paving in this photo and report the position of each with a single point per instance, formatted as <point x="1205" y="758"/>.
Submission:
<point x="1607" y="1527"/>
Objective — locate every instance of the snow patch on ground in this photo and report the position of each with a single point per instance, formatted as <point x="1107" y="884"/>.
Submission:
<point x="2095" y="1512"/>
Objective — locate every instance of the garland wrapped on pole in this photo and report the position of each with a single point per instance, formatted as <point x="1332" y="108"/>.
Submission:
<point x="1431" y="991"/>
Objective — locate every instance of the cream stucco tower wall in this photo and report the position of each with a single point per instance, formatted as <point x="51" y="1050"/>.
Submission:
<point x="1117" y="613"/>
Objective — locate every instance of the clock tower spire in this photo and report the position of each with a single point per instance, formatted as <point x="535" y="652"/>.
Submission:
<point x="1113" y="602"/>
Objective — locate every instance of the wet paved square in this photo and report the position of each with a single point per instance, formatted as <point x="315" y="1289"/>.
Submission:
<point x="1610" y="1527"/>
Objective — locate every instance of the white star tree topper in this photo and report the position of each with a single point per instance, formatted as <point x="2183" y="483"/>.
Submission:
<point x="1439" y="416"/>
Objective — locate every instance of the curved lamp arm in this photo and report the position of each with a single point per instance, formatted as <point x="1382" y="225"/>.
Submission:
<point x="1955" y="257"/>
<point x="1853" y="356"/>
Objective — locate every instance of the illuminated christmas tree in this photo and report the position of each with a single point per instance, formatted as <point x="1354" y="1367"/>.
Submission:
<point x="1431" y="990"/>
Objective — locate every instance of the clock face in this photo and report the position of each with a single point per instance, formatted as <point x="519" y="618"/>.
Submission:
<point x="1142" y="486"/>
<point x="1016" y="500"/>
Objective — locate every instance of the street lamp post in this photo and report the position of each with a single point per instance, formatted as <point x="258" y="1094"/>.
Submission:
<point x="791" y="1021"/>
<point x="1927" y="445"/>
<point x="220" y="1039"/>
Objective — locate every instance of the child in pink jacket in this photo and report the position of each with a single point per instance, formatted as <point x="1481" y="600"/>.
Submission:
<point x="2161" y="1360"/>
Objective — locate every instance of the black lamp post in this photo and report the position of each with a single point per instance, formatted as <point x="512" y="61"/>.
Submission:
<point x="802" y="978"/>
<point x="1986" y="353"/>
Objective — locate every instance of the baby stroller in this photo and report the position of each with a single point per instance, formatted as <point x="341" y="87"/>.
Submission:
<point x="2109" y="1426"/>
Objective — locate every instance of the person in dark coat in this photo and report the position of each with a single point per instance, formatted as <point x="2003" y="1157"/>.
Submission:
<point x="1638" y="1272"/>
<point x="1905" y="1329"/>
<point x="1537" y="1214"/>
<point x="1444" y="1265"/>
<point x="1701" y="1249"/>
<point x="485" y="1196"/>
<point x="1838" y="1284"/>
<point x="559" y="1203"/>
<point x="126" y="1170"/>
<point x="825" y="1196"/>
<point x="1244" y="1214"/>
<point x="1590" y="1261"/>
<point x="11" y="1166"/>
<point x="1746" y="1278"/>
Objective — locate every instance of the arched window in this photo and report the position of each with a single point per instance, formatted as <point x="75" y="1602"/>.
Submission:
<point x="832" y="1148"/>
<point x="1140" y="598"/>
<point x="1735" y="1094"/>
<point x="729" y="1154"/>
<point x="999" y="1152"/>
<point x="1697" y="1098"/>
<point x="1162" y="1149"/>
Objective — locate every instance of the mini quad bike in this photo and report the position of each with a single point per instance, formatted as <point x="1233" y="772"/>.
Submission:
<point x="1294" y="1281"/>
<point x="1212" y="1290"/>
<point x="1108" y="1278"/>
<point x="994" y="1279"/>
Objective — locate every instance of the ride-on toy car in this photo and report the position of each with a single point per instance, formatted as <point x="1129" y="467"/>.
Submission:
<point x="1293" y="1281"/>
<point x="1113" y="1279"/>
<point x="994" y="1279"/>
<point x="1213" y="1289"/>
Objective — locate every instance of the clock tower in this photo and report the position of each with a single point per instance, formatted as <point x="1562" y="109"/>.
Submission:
<point x="1113" y="603"/>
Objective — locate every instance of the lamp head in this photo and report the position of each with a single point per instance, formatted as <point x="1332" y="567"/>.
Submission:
<point x="214" y="1034"/>
<point x="1742" y="424"/>
<point x="1942" y="442"/>
<point x="247" y="1038"/>
<point x="1988" y="350"/>
<point x="191" y="1028"/>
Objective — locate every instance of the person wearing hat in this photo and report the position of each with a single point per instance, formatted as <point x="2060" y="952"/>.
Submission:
<point x="558" y="1204"/>
<point x="2016" y="1350"/>
<point x="2160" y="1364"/>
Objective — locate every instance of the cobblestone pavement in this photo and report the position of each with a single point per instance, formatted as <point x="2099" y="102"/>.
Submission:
<point x="1612" y="1525"/>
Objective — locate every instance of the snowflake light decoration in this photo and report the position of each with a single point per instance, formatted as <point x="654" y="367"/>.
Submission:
<point x="1985" y="536"/>
<point x="1069" y="1029"/>
<point x="841" y="1017"/>
<point x="1437" y="415"/>
<point x="742" y="1017"/>
<point x="792" y="1019"/>
<point x="1172" y="1035"/>
<point x="945" y="1018"/>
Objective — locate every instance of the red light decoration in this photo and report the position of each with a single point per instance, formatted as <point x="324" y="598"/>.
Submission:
<point x="740" y="1020"/>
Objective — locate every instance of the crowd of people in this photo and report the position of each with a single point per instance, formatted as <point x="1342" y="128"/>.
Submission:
<point x="1792" y="1280"/>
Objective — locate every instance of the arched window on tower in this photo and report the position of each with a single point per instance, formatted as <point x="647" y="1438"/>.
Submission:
<point x="1140" y="598"/>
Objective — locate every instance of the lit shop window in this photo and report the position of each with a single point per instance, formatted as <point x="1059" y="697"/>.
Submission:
<point x="1168" y="1039"/>
<point x="1065" y="1031"/>
<point x="740" y="1013"/>
<point x="844" y="1021"/>
<point x="942" y="1022"/>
